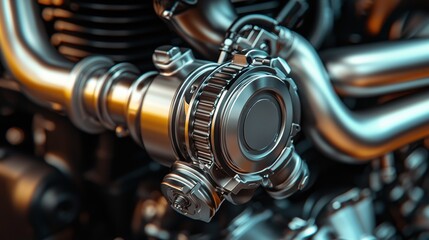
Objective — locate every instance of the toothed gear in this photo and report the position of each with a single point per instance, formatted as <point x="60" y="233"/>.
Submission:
<point x="206" y="102"/>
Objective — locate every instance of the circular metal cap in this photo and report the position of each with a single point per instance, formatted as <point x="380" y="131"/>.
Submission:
<point x="261" y="124"/>
<point x="255" y="122"/>
<point x="242" y="116"/>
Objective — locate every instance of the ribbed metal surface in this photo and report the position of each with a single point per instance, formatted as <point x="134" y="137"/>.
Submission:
<point x="205" y="108"/>
<point x="123" y="30"/>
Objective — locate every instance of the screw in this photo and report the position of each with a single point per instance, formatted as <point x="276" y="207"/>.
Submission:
<point x="181" y="203"/>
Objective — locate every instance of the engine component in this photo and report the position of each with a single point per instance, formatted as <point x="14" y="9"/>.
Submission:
<point x="227" y="129"/>
<point x="363" y="135"/>
<point x="380" y="73"/>
<point x="116" y="29"/>
<point x="38" y="200"/>
<point x="201" y="23"/>
<point x="361" y="144"/>
<point x="219" y="114"/>
<point x="174" y="114"/>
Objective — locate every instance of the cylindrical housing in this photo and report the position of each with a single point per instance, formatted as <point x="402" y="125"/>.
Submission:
<point x="165" y="99"/>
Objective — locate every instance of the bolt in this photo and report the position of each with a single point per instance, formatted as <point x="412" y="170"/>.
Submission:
<point x="181" y="203"/>
<point x="336" y="205"/>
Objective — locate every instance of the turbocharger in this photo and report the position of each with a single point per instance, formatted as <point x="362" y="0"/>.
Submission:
<point x="230" y="129"/>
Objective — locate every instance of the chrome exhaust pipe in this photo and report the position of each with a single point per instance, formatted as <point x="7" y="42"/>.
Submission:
<point x="378" y="69"/>
<point x="336" y="130"/>
<point x="41" y="71"/>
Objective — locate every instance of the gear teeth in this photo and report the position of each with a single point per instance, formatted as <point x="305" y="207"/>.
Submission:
<point x="207" y="100"/>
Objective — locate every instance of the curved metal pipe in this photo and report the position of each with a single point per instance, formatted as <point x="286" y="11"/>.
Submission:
<point x="362" y="135"/>
<point x="323" y="23"/>
<point x="373" y="91"/>
<point x="337" y="130"/>
<point x="202" y="24"/>
<point x="94" y="94"/>
<point x="42" y="72"/>
<point x="379" y="68"/>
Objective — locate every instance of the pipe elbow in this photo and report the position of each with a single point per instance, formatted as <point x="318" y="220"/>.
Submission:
<point x="41" y="72"/>
<point x="203" y="24"/>
<point x="344" y="134"/>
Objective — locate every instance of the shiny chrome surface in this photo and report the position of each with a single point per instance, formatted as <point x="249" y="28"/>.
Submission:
<point x="380" y="68"/>
<point x="335" y="129"/>
<point x="45" y="73"/>
<point x="218" y="111"/>
<point x="363" y="135"/>
<point x="201" y="23"/>
<point x="228" y="128"/>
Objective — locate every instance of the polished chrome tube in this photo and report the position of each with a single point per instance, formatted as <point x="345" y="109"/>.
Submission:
<point x="379" y="68"/>
<point x="202" y="24"/>
<point x="372" y="91"/>
<point x="340" y="132"/>
<point x="42" y="72"/>
<point x="94" y="92"/>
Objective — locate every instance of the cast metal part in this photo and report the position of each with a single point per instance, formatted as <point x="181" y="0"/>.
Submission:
<point x="238" y="125"/>
<point x="190" y="193"/>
